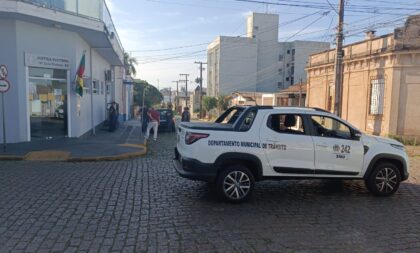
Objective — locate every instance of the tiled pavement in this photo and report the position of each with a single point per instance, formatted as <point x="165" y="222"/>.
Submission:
<point x="143" y="206"/>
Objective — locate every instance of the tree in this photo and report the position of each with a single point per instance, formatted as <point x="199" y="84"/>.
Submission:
<point x="222" y="102"/>
<point x="152" y="94"/>
<point x="197" y="80"/>
<point x="130" y="64"/>
<point x="209" y="103"/>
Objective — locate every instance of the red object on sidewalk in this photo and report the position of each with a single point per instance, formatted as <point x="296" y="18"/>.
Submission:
<point x="155" y="115"/>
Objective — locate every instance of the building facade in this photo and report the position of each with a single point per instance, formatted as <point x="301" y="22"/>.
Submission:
<point x="295" y="95"/>
<point x="42" y="45"/>
<point x="381" y="86"/>
<point x="257" y="62"/>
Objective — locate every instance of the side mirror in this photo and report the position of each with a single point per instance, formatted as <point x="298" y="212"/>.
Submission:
<point x="357" y="135"/>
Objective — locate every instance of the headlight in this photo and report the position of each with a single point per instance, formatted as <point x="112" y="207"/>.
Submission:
<point x="400" y="147"/>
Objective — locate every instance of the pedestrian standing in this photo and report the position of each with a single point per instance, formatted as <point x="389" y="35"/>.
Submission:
<point x="154" y="120"/>
<point x="144" y="119"/>
<point x="170" y="120"/>
<point x="186" y="116"/>
<point x="112" y="118"/>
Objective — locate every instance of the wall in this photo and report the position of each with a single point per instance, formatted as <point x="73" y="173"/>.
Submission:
<point x="238" y="60"/>
<point x="265" y="31"/>
<point x="408" y="117"/>
<point x="15" y="95"/>
<point x="36" y="39"/>
<point x="302" y="51"/>
<point x="213" y="56"/>
<point x="401" y="72"/>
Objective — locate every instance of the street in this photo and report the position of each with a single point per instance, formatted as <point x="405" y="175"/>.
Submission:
<point x="142" y="205"/>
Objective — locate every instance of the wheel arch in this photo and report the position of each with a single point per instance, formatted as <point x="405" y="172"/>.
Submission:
<point x="244" y="159"/>
<point x="398" y="161"/>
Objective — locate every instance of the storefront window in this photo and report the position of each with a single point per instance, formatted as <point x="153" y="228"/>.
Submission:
<point x="48" y="73"/>
<point x="47" y="103"/>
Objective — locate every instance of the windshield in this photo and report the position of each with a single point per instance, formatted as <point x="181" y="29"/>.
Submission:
<point x="230" y="116"/>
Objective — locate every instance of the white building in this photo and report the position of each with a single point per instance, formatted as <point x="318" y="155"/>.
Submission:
<point x="257" y="62"/>
<point x="42" y="44"/>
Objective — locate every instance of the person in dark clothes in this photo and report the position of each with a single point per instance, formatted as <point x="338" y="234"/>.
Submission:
<point x="169" y="118"/>
<point x="144" y="118"/>
<point x="112" y="118"/>
<point x="186" y="116"/>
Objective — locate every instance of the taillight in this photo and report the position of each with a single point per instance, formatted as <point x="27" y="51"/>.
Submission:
<point x="190" y="138"/>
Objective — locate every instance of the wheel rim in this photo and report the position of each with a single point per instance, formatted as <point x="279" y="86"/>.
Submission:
<point x="386" y="180"/>
<point x="236" y="185"/>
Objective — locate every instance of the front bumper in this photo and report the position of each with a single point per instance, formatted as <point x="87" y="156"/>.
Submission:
<point x="194" y="169"/>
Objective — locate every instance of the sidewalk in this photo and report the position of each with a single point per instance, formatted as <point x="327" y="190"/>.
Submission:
<point x="126" y="142"/>
<point x="413" y="150"/>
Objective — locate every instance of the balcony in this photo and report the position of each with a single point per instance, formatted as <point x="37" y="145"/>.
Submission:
<point x="91" y="19"/>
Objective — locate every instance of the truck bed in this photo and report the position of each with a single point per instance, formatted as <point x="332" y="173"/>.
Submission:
<point x="207" y="126"/>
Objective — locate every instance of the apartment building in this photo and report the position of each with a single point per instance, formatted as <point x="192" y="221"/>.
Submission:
<point x="43" y="45"/>
<point x="257" y="62"/>
<point x="381" y="86"/>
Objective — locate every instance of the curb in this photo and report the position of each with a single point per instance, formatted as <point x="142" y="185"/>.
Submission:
<point x="11" y="158"/>
<point x="119" y="157"/>
<point x="123" y="156"/>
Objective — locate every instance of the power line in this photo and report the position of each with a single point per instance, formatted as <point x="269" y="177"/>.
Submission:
<point x="303" y="29"/>
<point x="169" y="48"/>
<point x="353" y="8"/>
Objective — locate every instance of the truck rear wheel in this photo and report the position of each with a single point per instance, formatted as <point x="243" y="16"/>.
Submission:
<point x="384" y="179"/>
<point x="235" y="183"/>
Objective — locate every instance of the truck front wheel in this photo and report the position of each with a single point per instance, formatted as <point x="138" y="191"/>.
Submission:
<point x="235" y="183"/>
<point x="384" y="179"/>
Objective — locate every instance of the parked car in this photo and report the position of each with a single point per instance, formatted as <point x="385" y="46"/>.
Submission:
<point x="167" y="122"/>
<point x="250" y="144"/>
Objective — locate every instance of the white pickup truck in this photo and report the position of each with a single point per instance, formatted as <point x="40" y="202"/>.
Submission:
<point x="250" y="144"/>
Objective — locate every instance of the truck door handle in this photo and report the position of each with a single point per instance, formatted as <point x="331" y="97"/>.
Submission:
<point x="322" y="145"/>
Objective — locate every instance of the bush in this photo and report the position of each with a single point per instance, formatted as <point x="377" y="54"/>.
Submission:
<point x="409" y="141"/>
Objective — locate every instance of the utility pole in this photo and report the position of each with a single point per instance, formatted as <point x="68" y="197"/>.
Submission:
<point x="170" y="95"/>
<point x="176" y="96"/>
<point x="201" y="86"/>
<point x="186" y="87"/>
<point x="338" y="68"/>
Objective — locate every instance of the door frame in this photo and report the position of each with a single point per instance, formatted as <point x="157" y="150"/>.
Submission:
<point x="28" y="111"/>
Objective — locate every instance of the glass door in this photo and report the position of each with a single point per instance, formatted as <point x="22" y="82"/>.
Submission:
<point x="48" y="103"/>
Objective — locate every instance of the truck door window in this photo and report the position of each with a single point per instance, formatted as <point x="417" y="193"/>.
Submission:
<point x="329" y="127"/>
<point x="230" y="116"/>
<point x="286" y="123"/>
<point x="248" y="120"/>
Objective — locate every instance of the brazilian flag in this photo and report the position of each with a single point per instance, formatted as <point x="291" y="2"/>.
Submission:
<point x="79" y="77"/>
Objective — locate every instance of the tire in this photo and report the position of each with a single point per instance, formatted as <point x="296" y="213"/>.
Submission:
<point x="384" y="179"/>
<point x="235" y="184"/>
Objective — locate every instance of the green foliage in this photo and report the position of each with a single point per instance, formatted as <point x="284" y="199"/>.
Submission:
<point x="152" y="95"/>
<point x="222" y="102"/>
<point x="408" y="141"/>
<point x="130" y="64"/>
<point x="209" y="103"/>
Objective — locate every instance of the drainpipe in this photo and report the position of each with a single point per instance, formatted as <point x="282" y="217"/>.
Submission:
<point x="91" y="93"/>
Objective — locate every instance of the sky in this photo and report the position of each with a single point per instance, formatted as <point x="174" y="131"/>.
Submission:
<point x="168" y="36"/>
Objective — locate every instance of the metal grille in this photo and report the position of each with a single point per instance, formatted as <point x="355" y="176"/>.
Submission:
<point x="377" y="96"/>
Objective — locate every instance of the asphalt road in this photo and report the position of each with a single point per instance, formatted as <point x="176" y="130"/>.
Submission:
<point x="143" y="206"/>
